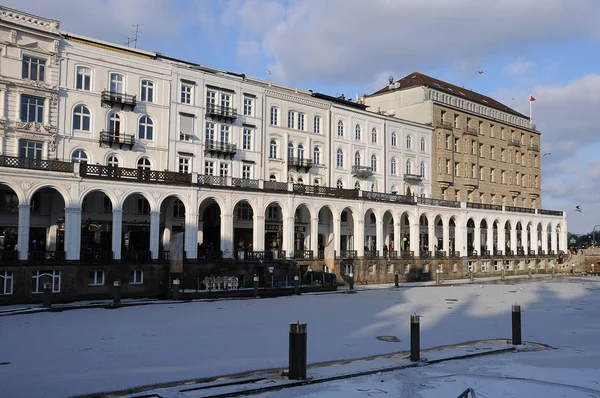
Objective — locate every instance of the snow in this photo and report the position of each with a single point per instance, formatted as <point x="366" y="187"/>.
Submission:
<point x="67" y="353"/>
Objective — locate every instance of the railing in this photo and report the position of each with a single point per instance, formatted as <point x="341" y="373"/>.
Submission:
<point x="412" y="177"/>
<point x="136" y="256"/>
<point x="209" y="255"/>
<point x="122" y="173"/>
<point x="275" y="186"/>
<point x="371" y="254"/>
<point x="266" y="255"/>
<point x="472" y="253"/>
<point x="321" y="255"/>
<point x="514" y="209"/>
<point x="348" y="254"/>
<point x="521" y="252"/>
<point x="439" y="254"/>
<point x="468" y="393"/>
<point x="97" y="256"/>
<point x="482" y="206"/>
<point x="498" y="253"/>
<point x="454" y="254"/>
<point x="534" y="147"/>
<point x="531" y="252"/>
<point x="113" y="97"/>
<point x="35" y="164"/>
<point x="438" y="202"/>
<point x="388" y="197"/>
<point x="221" y="111"/>
<point x="204" y="179"/>
<point x="244" y="183"/>
<point x="362" y="171"/>
<point x="551" y="212"/>
<point x="46" y="256"/>
<point x="392" y="254"/>
<point x="218" y="146"/>
<point x="424" y="253"/>
<point x="485" y="253"/>
<point x="9" y="255"/>
<point x="444" y="125"/>
<point x="164" y="255"/>
<point x="110" y="138"/>
<point x="303" y="254"/>
<point x="469" y="131"/>
<point x="407" y="254"/>
<point x="514" y="143"/>
<point x="509" y="253"/>
<point x="300" y="163"/>
<point x="551" y="252"/>
<point x="541" y="252"/>
<point x="312" y="190"/>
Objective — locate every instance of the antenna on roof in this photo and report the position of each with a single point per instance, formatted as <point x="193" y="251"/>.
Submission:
<point x="136" y="33"/>
<point x="391" y="79"/>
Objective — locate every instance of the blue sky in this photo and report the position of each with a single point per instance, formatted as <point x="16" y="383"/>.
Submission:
<point x="548" y="48"/>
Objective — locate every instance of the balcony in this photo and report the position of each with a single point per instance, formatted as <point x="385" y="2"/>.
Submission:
<point x="108" y="139"/>
<point x="551" y="212"/>
<point x="146" y="176"/>
<point x="348" y="254"/>
<point x="204" y="179"/>
<point x="515" y="143"/>
<point x="469" y="131"/>
<point x="443" y="125"/>
<point x="303" y="255"/>
<point x="438" y="202"/>
<point x="97" y="256"/>
<point x="371" y="253"/>
<point x="312" y="190"/>
<point x="216" y="148"/>
<point x="221" y="113"/>
<point x="113" y="99"/>
<point x="300" y="164"/>
<point x="445" y="180"/>
<point x="470" y="182"/>
<point x="412" y="178"/>
<point x="482" y="206"/>
<point x="514" y="209"/>
<point x="136" y="256"/>
<point x="534" y="147"/>
<point x="42" y="256"/>
<point x="244" y="183"/>
<point x="275" y="186"/>
<point x="388" y="197"/>
<point x="362" y="171"/>
<point x="36" y="164"/>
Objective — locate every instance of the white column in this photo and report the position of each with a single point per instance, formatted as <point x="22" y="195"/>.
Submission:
<point x="200" y="231"/>
<point x="545" y="238"/>
<point x="432" y="241"/>
<point x="227" y="235"/>
<point x="359" y="237"/>
<point x="117" y="232"/>
<point x="379" y="236"/>
<point x="446" y="237"/>
<point x="490" y="240"/>
<point x="72" y="233"/>
<point x="461" y="234"/>
<point x="23" y="231"/>
<point x="47" y="111"/>
<point x="553" y="241"/>
<point x="191" y="235"/>
<point x="513" y="237"/>
<point x="397" y="238"/>
<point x="288" y="236"/>
<point x="258" y="235"/>
<point x="3" y="104"/>
<point x="314" y="236"/>
<point x="154" y="234"/>
<point x="501" y="239"/>
<point x="563" y="244"/>
<point x="525" y="241"/>
<point x="414" y="237"/>
<point x="477" y="239"/>
<point x="337" y="227"/>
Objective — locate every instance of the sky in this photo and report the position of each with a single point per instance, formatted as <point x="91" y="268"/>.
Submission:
<point x="549" y="48"/>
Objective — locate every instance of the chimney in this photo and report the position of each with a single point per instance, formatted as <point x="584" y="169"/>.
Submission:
<point x="397" y="85"/>
<point x="391" y="82"/>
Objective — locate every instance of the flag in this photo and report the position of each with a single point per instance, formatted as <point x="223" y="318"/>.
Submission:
<point x="531" y="98"/>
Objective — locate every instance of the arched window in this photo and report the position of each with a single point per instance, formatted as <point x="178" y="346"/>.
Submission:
<point x="394" y="189"/>
<point x="113" y="161"/>
<point x="408" y="167"/>
<point x="81" y="118"/>
<point x="316" y="155"/>
<point x="272" y="178"/>
<point x="117" y="83"/>
<point x="423" y="147"/>
<point x="144" y="164"/>
<point x="374" y="136"/>
<point x="290" y="150"/>
<point x="357" y="132"/>
<point x="374" y="163"/>
<point x="79" y="156"/>
<point x="340" y="128"/>
<point x="273" y="149"/>
<point x="340" y="158"/>
<point x="422" y="170"/>
<point x="114" y="123"/>
<point x="300" y="151"/>
<point x="146" y="128"/>
<point x="393" y="167"/>
<point x="357" y="185"/>
<point x="340" y="184"/>
<point x="394" y="139"/>
<point x="357" y="158"/>
<point x="300" y="181"/>
<point x="408" y="142"/>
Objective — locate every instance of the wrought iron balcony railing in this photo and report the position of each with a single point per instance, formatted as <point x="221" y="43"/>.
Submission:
<point x="123" y="100"/>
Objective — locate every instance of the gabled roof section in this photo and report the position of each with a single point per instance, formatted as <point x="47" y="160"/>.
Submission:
<point x="417" y="79"/>
<point x="341" y="101"/>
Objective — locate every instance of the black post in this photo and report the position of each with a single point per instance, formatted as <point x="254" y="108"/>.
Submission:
<point x="175" y="289"/>
<point x="47" y="295"/>
<point x="396" y="284"/>
<point x="415" y="338"/>
<point x="116" y="293"/>
<point x="516" y="324"/>
<point x="298" y="346"/>
<point x="255" y="279"/>
<point x="351" y="281"/>
<point x="296" y="285"/>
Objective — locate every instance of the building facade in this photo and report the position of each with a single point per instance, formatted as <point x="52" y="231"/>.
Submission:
<point x="483" y="151"/>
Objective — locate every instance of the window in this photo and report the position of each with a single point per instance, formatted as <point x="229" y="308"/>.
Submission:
<point x="273" y="149"/>
<point x="439" y="167"/>
<point x="448" y="167"/>
<point x="374" y="136"/>
<point x="317" y="155"/>
<point x="456" y="169"/>
<point x="209" y="134"/>
<point x="357" y="132"/>
<point x="81" y="118"/>
<point x="186" y="127"/>
<point x="503" y="177"/>
<point x="502" y="133"/>
<point x="340" y="129"/>
<point x="84" y="78"/>
<point x="492" y="175"/>
<point x="492" y="153"/>
<point x="6" y="282"/>
<point x="317" y="125"/>
<point x="211" y="99"/>
<point x="30" y="149"/>
<point x="422" y="170"/>
<point x="408" y="167"/>
<point x="480" y="150"/>
<point x="114" y="123"/>
<point x="209" y="168"/>
<point x="224" y="133"/>
<point x="247" y="139"/>
<point x="33" y="68"/>
<point x="481" y="173"/>
<point x="374" y="163"/>
<point x="473" y="147"/>
<point x="274" y="116"/>
<point x="117" y="83"/>
<point x="291" y="119"/>
<point x="290" y="150"/>
<point x="423" y="146"/>
<point x="443" y="116"/>
<point x="455" y="121"/>
<point x="248" y="106"/>
<point x="301" y="121"/>
<point x="224" y="169"/>
<point x="146" y="128"/>
<point x="39" y="278"/>
<point x="244" y="211"/>
<point x="393" y="166"/>
<point x="225" y="101"/>
<point x="300" y="151"/>
<point x="394" y="139"/>
<point x="187" y="91"/>
<point x="357" y="158"/>
<point x="147" y="91"/>
<point x="246" y="172"/>
<point x="273" y="212"/>
<point x="408" y="142"/>
<point x="184" y="164"/>
<point x="144" y="164"/>
<point x="492" y="131"/>
<point x="136" y="277"/>
<point x="503" y="155"/>
<point x="79" y="156"/>
<point x="96" y="278"/>
<point x="340" y="185"/>
<point x="113" y="161"/>
<point x="32" y="109"/>
<point x="340" y="158"/>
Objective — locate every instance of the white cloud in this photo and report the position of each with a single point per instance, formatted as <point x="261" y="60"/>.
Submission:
<point x="519" y="67"/>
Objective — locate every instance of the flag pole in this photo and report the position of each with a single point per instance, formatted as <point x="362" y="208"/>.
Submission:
<point x="530" y="111"/>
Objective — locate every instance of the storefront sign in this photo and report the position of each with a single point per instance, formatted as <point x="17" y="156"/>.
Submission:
<point x="273" y="227"/>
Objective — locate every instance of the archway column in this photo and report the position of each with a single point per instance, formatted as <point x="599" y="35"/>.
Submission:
<point x="477" y="239"/>
<point x="553" y="242"/>
<point x="461" y="234"/>
<point x="490" y="240"/>
<point x="502" y="240"/>
<point x="258" y="235"/>
<point x="72" y="233"/>
<point x="359" y="235"/>
<point x="191" y="235"/>
<point x="431" y="238"/>
<point x="446" y="237"/>
<point x="23" y="231"/>
<point x="414" y="237"/>
<point x="545" y="238"/>
<point x="314" y="236"/>
<point x="379" y="236"/>
<point x="564" y="245"/>
<point x="288" y="236"/>
<point x="337" y="241"/>
<point x="154" y="233"/>
<point x="397" y="237"/>
<point x="227" y="235"/>
<point x="117" y="232"/>
<point x="525" y="240"/>
<point x="513" y="237"/>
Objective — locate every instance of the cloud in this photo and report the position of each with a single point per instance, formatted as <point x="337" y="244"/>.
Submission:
<point x="518" y="68"/>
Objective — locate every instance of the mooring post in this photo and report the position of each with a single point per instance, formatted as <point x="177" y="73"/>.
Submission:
<point x="415" y="338"/>
<point x="529" y="272"/>
<point x="298" y="347"/>
<point x="516" y="324"/>
<point x="47" y="295"/>
<point x="176" y="289"/>
<point x="552" y="271"/>
<point x="502" y="272"/>
<point x="351" y="280"/>
<point x="471" y="277"/>
<point x="296" y="285"/>
<point x="116" y="293"/>
<point x="255" y="280"/>
<point x="437" y="276"/>
<point x="396" y="279"/>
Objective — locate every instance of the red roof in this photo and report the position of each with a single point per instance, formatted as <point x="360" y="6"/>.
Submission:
<point x="417" y="79"/>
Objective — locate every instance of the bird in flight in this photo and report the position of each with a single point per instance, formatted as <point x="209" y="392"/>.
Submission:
<point x="481" y="72"/>
<point x="546" y="154"/>
<point x="577" y="208"/>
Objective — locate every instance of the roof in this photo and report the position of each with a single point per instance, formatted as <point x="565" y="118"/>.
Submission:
<point x="417" y="79"/>
<point x="341" y="101"/>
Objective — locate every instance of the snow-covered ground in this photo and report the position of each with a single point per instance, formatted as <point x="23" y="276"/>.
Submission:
<point x="92" y="350"/>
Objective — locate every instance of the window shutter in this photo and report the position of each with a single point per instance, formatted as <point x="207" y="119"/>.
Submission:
<point x="187" y="124"/>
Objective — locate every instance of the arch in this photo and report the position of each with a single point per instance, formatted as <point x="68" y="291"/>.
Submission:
<point x="422" y="170"/>
<point x="394" y="139"/>
<point x="113" y="160"/>
<point x="374" y="163"/>
<point x="357" y="132"/>
<point x="153" y="205"/>
<point x="340" y="158"/>
<point x="145" y="128"/>
<point x="423" y="145"/>
<point x="113" y="122"/>
<point x="408" y="142"/>
<point x="144" y="163"/>
<point x="393" y="167"/>
<point x="309" y="207"/>
<point x="113" y="199"/>
<point x="17" y="190"/>
<point x="63" y="192"/>
<point x="82" y="118"/>
<point x="408" y="167"/>
<point x="161" y="200"/>
<point x="374" y="136"/>
<point x="284" y="210"/>
<point x="340" y="128"/>
<point x="273" y="148"/>
<point x="339" y="184"/>
<point x="357" y="158"/>
<point x="80" y="156"/>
